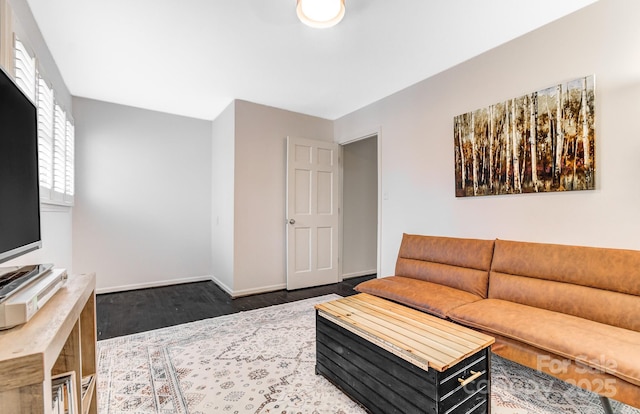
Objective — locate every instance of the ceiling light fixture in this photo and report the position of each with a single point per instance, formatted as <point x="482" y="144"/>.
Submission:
<point x="320" y="13"/>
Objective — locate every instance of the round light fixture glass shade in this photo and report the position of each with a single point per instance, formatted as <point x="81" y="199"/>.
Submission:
<point x="320" y="13"/>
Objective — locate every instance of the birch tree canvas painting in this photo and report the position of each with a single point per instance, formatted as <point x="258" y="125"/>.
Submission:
<point x="541" y="142"/>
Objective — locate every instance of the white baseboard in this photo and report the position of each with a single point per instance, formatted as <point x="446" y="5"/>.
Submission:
<point x="159" y="283"/>
<point x="263" y="289"/>
<point x="358" y="274"/>
<point x="222" y="285"/>
<point x="205" y="278"/>
<point x="247" y="292"/>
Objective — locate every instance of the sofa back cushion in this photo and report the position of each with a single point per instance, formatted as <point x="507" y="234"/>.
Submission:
<point x="598" y="284"/>
<point x="458" y="263"/>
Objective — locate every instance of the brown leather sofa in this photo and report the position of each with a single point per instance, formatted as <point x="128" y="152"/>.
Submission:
<point x="570" y="311"/>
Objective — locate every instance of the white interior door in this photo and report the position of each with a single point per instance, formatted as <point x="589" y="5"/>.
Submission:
<point x="312" y="213"/>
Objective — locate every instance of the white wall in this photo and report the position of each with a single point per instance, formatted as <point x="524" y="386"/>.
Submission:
<point x="56" y="221"/>
<point x="360" y="207"/>
<point x="135" y="231"/>
<point x="143" y="196"/>
<point x="260" y="178"/>
<point x="222" y="223"/>
<point x="55" y="227"/>
<point x="417" y="144"/>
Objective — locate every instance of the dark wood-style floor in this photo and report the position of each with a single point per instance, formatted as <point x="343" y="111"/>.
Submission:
<point x="125" y="313"/>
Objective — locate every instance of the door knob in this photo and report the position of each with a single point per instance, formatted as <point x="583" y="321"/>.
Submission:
<point x="292" y="221"/>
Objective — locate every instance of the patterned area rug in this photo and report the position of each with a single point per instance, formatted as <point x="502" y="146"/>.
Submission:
<point x="263" y="361"/>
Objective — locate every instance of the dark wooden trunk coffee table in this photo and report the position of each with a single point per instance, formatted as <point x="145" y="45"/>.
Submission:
<point x="394" y="359"/>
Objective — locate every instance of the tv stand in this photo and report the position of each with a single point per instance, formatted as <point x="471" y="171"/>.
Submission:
<point x="59" y="340"/>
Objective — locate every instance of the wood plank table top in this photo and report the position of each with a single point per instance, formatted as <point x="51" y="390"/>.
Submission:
<point x="417" y="337"/>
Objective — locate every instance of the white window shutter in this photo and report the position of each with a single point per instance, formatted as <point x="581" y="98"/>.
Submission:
<point x="25" y="67"/>
<point x="56" y="133"/>
<point x="45" y="137"/>
<point x="59" y="155"/>
<point x="69" y="161"/>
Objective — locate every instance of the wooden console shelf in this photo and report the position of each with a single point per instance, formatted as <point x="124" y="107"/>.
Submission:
<point x="60" y="338"/>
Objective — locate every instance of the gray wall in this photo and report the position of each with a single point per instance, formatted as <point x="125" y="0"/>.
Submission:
<point x="143" y="205"/>
<point x="416" y="136"/>
<point x="360" y="207"/>
<point x="164" y="199"/>
<point x="222" y="197"/>
<point x="260" y="172"/>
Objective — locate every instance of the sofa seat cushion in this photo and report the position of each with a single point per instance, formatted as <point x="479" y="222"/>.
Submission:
<point x="428" y="297"/>
<point x="604" y="348"/>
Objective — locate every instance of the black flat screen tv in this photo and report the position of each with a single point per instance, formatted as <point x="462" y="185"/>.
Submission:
<point x="19" y="184"/>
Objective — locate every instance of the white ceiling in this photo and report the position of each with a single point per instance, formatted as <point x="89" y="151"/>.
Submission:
<point x="193" y="57"/>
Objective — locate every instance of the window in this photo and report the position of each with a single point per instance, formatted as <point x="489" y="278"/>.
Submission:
<point x="56" y="133"/>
